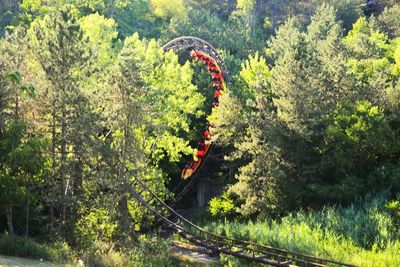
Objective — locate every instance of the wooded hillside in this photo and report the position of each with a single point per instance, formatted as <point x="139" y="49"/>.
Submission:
<point x="89" y="100"/>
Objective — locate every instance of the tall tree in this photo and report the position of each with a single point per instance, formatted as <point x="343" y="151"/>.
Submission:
<point x="57" y="41"/>
<point x="389" y="20"/>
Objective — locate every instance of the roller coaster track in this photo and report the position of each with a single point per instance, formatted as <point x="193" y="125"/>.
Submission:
<point x="199" y="236"/>
<point x="190" y="42"/>
<point x="222" y="244"/>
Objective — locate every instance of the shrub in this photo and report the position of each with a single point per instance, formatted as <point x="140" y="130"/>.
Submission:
<point x="93" y="226"/>
<point x="385" y="176"/>
<point x="151" y="252"/>
<point x="222" y="206"/>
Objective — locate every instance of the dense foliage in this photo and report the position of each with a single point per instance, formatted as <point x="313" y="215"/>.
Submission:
<point x="89" y="101"/>
<point x="363" y="234"/>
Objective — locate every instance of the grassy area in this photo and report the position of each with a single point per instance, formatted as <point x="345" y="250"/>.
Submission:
<point x="150" y="252"/>
<point x="24" y="262"/>
<point x="364" y="234"/>
<point x="20" y="246"/>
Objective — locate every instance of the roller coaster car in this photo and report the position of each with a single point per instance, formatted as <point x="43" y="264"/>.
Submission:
<point x="194" y="53"/>
<point x="217" y="94"/>
<point x="191" y="168"/>
<point x="211" y="67"/>
<point x="194" y="165"/>
<point x="217" y="84"/>
<point x="206" y="135"/>
<point x="203" y="149"/>
<point x="216" y="75"/>
<point x="205" y="143"/>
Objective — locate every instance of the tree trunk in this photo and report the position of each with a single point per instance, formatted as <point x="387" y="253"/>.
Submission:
<point x="54" y="170"/>
<point x="9" y="218"/>
<point x="63" y="169"/>
<point x="27" y="218"/>
<point x="78" y="171"/>
<point x="51" y="216"/>
<point x="16" y="106"/>
<point x="112" y="7"/>
<point x="126" y="219"/>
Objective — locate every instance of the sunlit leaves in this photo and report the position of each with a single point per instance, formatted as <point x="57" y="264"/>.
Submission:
<point x="221" y="206"/>
<point x="101" y="33"/>
<point x="358" y="133"/>
<point x="363" y="39"/>
<point x="256" y="75"/>
<point x="246" y="5"/>
<point x="396" y="56"/>
<point x="168" y="9"/>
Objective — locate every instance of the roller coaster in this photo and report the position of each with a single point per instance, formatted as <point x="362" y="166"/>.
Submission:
<point x="202" y="51"/>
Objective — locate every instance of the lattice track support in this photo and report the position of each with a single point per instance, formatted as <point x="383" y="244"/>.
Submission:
<point x="190" y="42"/>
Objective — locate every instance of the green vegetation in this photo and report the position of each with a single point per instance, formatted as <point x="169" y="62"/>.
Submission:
<point x="26" y="247"/>
<point x="151" y="252"/>
<point x="307" y="128"/>
<point x="364" y="233"/>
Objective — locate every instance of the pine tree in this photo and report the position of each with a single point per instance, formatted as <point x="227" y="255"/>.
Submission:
<point x="57" y="41"/>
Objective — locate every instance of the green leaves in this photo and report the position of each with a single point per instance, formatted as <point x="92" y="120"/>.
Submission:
<point x="359" y="134"/>
<point x="222" y="206"/>
<point x="102" y="33"/>
<point x="168" y="9"/>
<point x="28" y="89"/>
<point x="21" y="158"/>
<point x="14" y="76"/>
<point x="256" y="75"/>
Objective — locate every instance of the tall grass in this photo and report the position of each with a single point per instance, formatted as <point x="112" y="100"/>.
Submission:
<point x="149" y="252"/>
<point x="21" y="246"/>
<point x="363" y="234"/>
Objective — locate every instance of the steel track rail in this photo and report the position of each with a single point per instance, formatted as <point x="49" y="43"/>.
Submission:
<point x="185" y="190"/>
<point x="211" y="244"/>
<point x="190" y="42"/>
<point x="230" y="246"/>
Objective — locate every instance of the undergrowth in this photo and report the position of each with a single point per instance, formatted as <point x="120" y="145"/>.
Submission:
<point x="21" y="246"/>
<point x="148" y="252"/>
<point x="364" y="234"/>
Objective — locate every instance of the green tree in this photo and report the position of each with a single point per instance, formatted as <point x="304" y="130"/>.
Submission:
<point x="309" y="72"/>
<point x="148" y="111"/>
<point x="247" y="121"/>
<point x="371" y="61"/>
<point x="21" y="159"/>
<point x="348" y="11"/>
<point x="57" y="42"/>
<point x="390" y="22"/>
<point x="167" y="9"/>
<point x="358" y="139"/>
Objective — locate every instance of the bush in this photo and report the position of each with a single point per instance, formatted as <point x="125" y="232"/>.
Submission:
<point x="151" y="252"/>
<point x="93" y="226"/>
<point x="222" y="206"/>
<point x="393" y="207"/>
<point x="386" y="176"/>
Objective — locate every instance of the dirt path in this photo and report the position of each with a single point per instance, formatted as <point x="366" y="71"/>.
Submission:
<point x="193" y="255"/>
